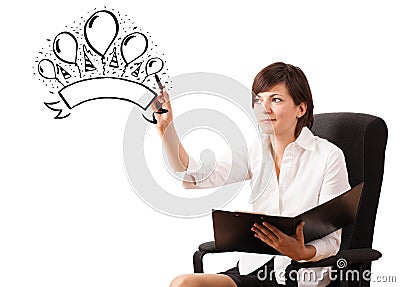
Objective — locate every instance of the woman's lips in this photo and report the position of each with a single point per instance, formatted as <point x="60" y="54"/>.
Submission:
<point x="268" y="120"/>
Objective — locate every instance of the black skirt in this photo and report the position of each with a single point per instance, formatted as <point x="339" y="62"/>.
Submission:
<point x="262" y="277"/>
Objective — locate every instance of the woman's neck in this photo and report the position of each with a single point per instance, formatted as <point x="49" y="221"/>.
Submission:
<point x="281" y="142"/>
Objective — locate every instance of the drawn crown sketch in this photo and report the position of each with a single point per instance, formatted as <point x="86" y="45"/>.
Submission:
<point x="106" y="69"/>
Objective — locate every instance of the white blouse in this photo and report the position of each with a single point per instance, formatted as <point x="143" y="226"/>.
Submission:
<point x="312" y="172"/>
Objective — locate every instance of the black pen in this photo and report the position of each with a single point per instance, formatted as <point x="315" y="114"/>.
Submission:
<point x="160" y="110"/>
<point x="158" y="81"/>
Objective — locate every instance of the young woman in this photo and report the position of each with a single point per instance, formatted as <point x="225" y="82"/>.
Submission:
<point x="307" y="171"/>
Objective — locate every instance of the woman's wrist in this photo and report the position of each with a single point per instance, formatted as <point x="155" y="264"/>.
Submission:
<point x="166" y="130"/>
<point x="306" y="253"/>
<point x="309" y="252"/>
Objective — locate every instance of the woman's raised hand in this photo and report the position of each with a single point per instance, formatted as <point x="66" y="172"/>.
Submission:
<point x="163" y="111"/>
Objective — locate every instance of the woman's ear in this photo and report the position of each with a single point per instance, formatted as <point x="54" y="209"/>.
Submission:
<point x="302" y="108"/>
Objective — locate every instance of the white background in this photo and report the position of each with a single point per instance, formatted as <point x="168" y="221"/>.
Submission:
<point x="68" y="215"/>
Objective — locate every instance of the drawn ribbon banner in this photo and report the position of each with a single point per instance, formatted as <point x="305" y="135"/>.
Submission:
<point x="105" y="88"/>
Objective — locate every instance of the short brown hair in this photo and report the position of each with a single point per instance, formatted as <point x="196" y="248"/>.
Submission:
<point x="296" y="83"/>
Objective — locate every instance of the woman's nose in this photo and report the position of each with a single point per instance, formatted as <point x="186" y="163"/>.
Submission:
<point x="267" y="107"/>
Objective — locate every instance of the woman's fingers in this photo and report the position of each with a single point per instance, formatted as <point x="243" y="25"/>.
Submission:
<point x="162" y="100"/>
<point x="299" y="231"/>
<point x="165" y="94"/>
<point x="274" y="229"/>
<point x="157" y="103"/>
<point x="291" y="246"/>
<point x="153" y="105"/>
<point x="264" y="238"/>
<point x="263" y="231"/>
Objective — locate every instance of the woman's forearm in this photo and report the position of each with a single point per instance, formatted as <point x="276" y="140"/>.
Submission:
<point x="176" y="153"/>
<point x="177" y="156"/>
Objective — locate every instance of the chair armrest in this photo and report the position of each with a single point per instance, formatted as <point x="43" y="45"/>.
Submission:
<point x="209" y="247"/>
<point x="352" y="256"/>
<point x="204" y="248"/>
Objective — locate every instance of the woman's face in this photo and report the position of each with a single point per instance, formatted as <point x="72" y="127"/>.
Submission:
<point x="276" y="111"/>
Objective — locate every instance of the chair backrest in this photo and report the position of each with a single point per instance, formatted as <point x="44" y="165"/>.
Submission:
<point x="363" y="139"/>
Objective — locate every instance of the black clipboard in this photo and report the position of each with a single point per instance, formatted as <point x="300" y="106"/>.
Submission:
<point x="232" y="230"/>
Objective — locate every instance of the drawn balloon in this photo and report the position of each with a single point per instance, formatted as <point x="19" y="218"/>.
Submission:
<point x="100" y="31"/>
<point x="46" y="69"/>
<point x="65" y="47"/>
<point x="133" y="46"/>
<point x="153" y="66"/>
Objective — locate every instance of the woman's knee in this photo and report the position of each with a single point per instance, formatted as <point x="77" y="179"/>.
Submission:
<point x="185" y="280"/>
<point x="202" y="280"/>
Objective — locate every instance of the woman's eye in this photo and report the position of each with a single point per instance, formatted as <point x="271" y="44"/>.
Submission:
<point x="257" y="101"/>
<point x="276" y="100"/>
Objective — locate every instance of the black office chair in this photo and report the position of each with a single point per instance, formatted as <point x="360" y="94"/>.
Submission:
<point x="363" y="140"/>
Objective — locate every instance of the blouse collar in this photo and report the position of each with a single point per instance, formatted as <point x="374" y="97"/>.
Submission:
<point x="306" y="139"/>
